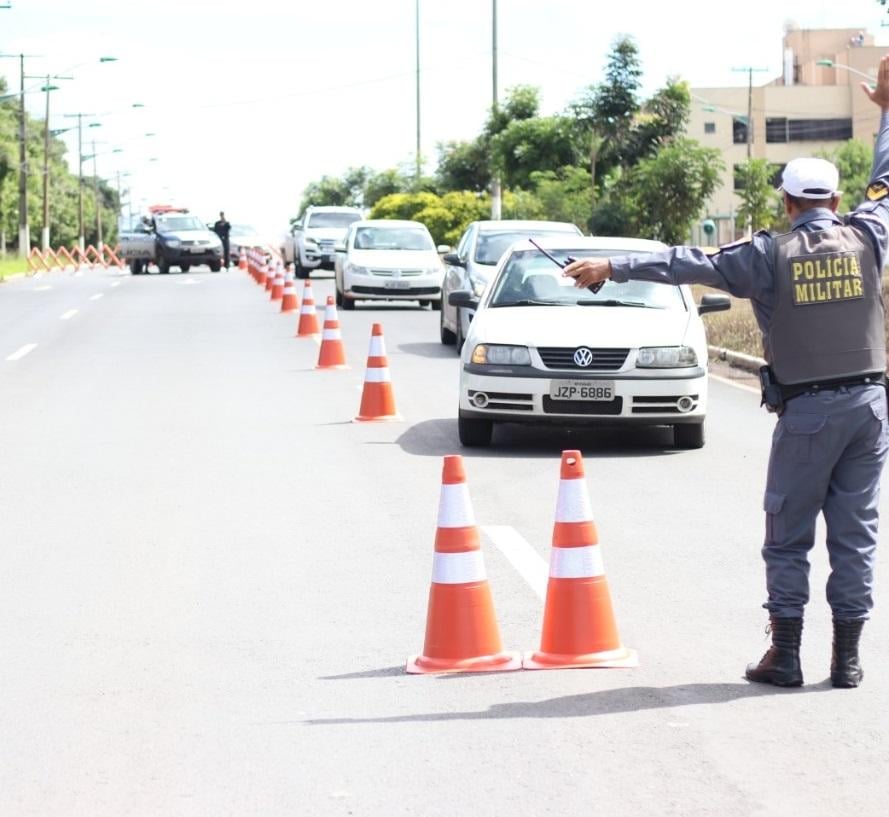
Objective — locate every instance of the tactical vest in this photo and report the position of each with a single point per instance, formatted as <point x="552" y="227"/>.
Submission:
<point x="828" y="318"/>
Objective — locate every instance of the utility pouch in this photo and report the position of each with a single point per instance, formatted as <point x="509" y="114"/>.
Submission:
<point x="772" y="398"/>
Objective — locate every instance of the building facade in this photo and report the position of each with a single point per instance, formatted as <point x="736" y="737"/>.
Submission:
<point x="814" y="107"/>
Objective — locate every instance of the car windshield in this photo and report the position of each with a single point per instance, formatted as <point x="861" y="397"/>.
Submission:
<point x="392" y="238"/>
<point x="529" y="278"/>
<point x="332" y="219"/>
<point x="173" y="224"/>
<point x="491" y="246"/>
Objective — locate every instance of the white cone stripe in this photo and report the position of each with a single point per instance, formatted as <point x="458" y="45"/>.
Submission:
<point x="307" y="309"/>
<point x="574" y="502"/>
<point x="377" y="375"/>
<point x="331" y="334"/>
<point x="455" y="507"/>
<point x="576" y="563"/>
<point x="330" y="313"/>
<point x="458" y="568"/>
<point x="377" y="347"/>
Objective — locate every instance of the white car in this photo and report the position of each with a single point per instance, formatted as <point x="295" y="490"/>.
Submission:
<point x="541" y="350"/>
<point x="390" y="260"/>
<point x="473" y="263"/>
<point x="313" y="238"/>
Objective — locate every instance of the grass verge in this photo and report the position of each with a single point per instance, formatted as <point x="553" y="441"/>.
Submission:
<point x="11" y="266"/>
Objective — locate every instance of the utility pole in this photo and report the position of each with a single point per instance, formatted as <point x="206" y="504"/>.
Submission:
<point x="496" y="195"/>
<point x="79" y="116"/>
<point x="44" y="232"/>
<point x="24" y="232"/>
<point x="749" y="69"/>
<point x="417" y="32"/>
<point x="98" y="206"/>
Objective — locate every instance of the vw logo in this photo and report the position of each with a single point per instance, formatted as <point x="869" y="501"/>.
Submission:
<point x="583" y="357"/>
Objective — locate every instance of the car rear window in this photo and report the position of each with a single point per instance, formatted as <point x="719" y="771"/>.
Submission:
<point x="332" y="219"/>
<point x="491" y="246"/>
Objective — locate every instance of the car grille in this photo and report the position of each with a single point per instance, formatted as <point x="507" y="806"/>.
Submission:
<point x="195" y="243"/>
<point x="604" y="360"/>
<point x="388" y="273"/>
<point x="610" y="407"/>
<point x="661" y="404"/>
<point x="326" y="246"/>
<point x="506" y="401"/>
<point x="413" y="291"/>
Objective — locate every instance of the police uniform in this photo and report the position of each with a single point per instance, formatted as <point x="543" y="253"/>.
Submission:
<point x="816" y="295"/>
<point x="222" y="228"/>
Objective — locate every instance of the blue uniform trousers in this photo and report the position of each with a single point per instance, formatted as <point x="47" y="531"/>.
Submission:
<point x="828" y="451"/>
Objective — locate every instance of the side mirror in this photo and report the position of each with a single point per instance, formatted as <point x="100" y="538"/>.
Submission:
<point x="452" y="259"/>
<point x="441" y="249"/>
<point x="463" y="297"/>
<point x="714" y="303"/>
<point x="339" y="248"/>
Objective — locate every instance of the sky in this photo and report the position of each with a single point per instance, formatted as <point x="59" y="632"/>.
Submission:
<point x="249" y="101"/>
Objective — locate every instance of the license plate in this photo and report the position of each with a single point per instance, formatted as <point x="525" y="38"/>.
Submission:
<point x="592" y="390"/>
<point x="397" y="284"/>
<point x="196" y="249"/>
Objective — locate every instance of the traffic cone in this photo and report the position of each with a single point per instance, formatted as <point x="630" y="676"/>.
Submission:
<point x="579" y="629"/>
<point x="278" y="284"/>
<point x="308" y="319"/>
<point x="242" y="261"/>
<point x="262" y="273"/>
<point x="289" y="302"/>
<point x="270" y="276"/>
<point x="332" y="354"/>
<point x="461" y="628"/>
<point x="377" y="398"/>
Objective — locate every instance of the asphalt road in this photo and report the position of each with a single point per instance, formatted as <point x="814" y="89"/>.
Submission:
<point x="210" y="579"/>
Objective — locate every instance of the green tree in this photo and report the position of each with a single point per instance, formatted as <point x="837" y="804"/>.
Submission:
<point x="327" y="191"/>
<point x="464" y="165"/>
<point x="756" y="190"/>
<point x="854" y="160"/>
<point x="543" y="143"/>
<point x="564" y="195"/>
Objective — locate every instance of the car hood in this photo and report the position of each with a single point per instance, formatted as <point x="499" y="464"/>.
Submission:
<point x="191" y="235"/>
<point x="597" y="326"/>
<point x="326" y="233"/>
<point x="396" y="259"/>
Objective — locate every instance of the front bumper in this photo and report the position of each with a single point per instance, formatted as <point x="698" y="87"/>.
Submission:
<point x="361" y="287"/>
<point x="663" y="398"/>
<point x="188" y="255"/>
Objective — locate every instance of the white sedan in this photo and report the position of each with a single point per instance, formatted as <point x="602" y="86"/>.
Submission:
<point x="390" y="260"/>
<point x="540" y="350"/>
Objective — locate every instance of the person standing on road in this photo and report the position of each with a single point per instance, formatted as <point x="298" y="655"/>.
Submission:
<point x="222" y="228"/>
<point x="816" y="294"/>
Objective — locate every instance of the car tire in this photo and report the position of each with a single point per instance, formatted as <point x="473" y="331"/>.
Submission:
<point x="448" y="338"/>
<point x="135" y="267"/>
<point x="474" y="433"/>
<point x="299" y="269"/>
<point x="348" y="304"/>
<point x="215" y="266"/>
<point x="435" y="306"/>
<point x="163" y="266"/>
<point x="338" y="297"/>
<point x="688" y="435"/>
<point x="184" y="267"/>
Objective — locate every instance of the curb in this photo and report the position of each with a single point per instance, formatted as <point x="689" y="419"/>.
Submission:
<point x="737" y="359"/>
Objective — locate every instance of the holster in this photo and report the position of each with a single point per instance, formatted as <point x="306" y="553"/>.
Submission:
<point x="770" y="389"/>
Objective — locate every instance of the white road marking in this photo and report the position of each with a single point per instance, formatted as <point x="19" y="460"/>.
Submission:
<point x="734" y="383"/>
<point x="44" y="288"/>
<point x="116" y="283"/>
<point x="68" y="315"/>
<point x="529" y="564"/>
<point x="189" y="282"/>
<point x="18" y="355"/>
<point x="96" y="296"/>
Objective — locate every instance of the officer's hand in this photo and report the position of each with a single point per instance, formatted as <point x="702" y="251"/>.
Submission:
<point x="879" y="94"/>
<point x="588" y="271"/>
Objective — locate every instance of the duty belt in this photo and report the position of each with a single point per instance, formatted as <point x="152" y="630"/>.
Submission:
<point x="796" y="389"/>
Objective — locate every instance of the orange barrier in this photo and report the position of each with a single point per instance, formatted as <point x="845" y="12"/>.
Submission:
<point x="289" y="301"/>
<point x="70" y="258"/>
<point x="461" y="628"/>
<point x="377" y="398"/>
<point x="33" y="257"/>
<point x="579" y="628"/>
<point x="332" y="354"/>
<point x="308" y="319"/>
<point x="113" y="260"/>
<point x="96" y="255"/>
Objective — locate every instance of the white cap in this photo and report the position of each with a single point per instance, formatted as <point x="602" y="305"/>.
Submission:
<point x="810" y="178"/>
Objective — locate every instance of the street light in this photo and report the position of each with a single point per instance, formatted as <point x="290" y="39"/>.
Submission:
<point x="832" y="64"/>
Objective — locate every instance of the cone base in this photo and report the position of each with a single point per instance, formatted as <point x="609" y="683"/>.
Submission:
<point x="502" y="662"/>
<point x="333" y="366"/>
<point x="312" y="335"/>
<point x="622" y="657"/>
<point x="387" y="418"/>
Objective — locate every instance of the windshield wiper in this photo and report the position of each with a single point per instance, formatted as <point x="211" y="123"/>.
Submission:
<point x="613" y="302"/>
<point x="531" y="302"/>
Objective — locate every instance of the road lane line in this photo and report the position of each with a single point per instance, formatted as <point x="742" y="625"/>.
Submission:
<point x="734" y="383"/>
<point x="44" y="288"/>
<point x="116" y="283"/>
<point x="96" y="296"/>
<point x="68" y="315"/>
<point x="529" y="564"/>
<point x="18" y="355"/>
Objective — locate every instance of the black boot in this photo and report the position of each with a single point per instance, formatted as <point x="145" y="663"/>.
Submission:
<point x="780" y="665"/>
<point x="845" y="668"/>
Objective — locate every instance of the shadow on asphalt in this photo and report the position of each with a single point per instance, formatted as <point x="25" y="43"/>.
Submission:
<point x="437" y="438"/>
<point x="604" y="702"/>
<point x="427" y="350"/>
<point x="383" y="672"/>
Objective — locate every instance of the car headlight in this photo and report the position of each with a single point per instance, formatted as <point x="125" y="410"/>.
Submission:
<point x="496" y="355"/>
<point x="172" y="243"/>
<point x="311" y="244"/>
<point x="354" y="269"/>
<point x="666" y="357"/>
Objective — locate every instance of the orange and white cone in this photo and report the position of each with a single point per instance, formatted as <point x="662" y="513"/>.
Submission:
<point x="242" y="261"/>
<point x="308" y="318"/>
<point x="461" y="628"/>
<point x="262" y="273"/>
<point x="278" y="284"/>
<point x="579" y="629"/>
<point x="289" y="301"/>
<point x="270" y="276"/>
<point x="377" y="397"/>
<point x="332" y="354"/>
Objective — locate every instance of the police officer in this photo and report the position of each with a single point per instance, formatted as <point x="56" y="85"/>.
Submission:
<point x="222" y="228"/>
<point x="816" y="295"/>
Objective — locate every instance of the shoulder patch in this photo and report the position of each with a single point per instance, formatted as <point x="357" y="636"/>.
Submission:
<point x="877" y="191"/>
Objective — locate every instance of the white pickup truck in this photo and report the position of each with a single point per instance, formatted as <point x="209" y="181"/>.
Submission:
<point x="314" y="236"/>
<point x="170" y="237"/>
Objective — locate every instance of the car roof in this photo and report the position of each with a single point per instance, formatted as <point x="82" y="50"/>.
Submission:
<point x="387" y="222"/>
<point x="509" y="225"/>
<point x="592" y="242"/>
<point x="325" y="208"/>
